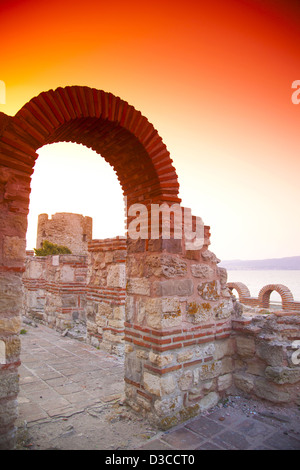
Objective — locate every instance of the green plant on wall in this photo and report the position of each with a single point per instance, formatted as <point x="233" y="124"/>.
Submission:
<point x="49" y="248"/>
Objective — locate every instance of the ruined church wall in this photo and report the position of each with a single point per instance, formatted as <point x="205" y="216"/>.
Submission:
<point x="55" y="289"/>
<point x="267" y="357"/>
<point x="178" y="330"/>
<point x="106" y="292"/>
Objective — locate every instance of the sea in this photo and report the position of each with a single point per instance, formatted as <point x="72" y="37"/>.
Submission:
<point x="256" y="279"/>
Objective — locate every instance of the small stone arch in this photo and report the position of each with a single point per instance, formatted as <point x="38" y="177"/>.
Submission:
<point x="283" y="291"/>
<point x="241" y="289"/>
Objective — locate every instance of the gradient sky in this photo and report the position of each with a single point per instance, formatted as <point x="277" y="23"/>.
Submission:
<point x="213" y="77"/>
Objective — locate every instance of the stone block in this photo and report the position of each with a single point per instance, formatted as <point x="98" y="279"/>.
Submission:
<point x="168" y="406"/>
<point x="271" y="392"/>
<point x="223" y="347"/>
<point x="283" y="375"/>
<point x="116" y="275"/>
<point x="245" y="346"/>
<point x="224" y="309"/>
<point x="138" y="286"/>
<point x="210" y="370"/>
<point x="180" y="288"/>
<point x="209" y="290"/>
<point x="186" y="380"/>
<point x="165" y="265"/>
<point x="209" y="401"/>
<point x="208" y="255"/>
<point x="14" y="248"/>
<point x="185" y="355"/>
<point x="161" y="360"/>
<point x="9" y="384"/>
<point x="199" y="312"/>
<point x="10" y="293"/>
<point x="273" y="353"/>
<point x="67" y="273"/>
<point x="10" y="325"/>
<point x="8" y="413"/>
<point x="202" y="271"/>
<point x="104" y="310"/>
<point x="157" y="385"/>
<point x="243" y="381"/>
<point x="224" y="382"/>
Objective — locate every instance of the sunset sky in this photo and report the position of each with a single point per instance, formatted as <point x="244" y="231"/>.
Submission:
<point x="213" y="77"/>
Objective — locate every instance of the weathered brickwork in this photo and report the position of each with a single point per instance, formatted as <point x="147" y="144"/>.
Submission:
<point x="55" y="289"/>
<point x="106" y="288"/>
<point x="263" y="299"/>
<point x="177" y="331"/>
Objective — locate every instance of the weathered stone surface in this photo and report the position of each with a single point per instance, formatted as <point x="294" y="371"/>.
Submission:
<point x="198" y="313"/>
<point x="181" y="288"/>
<point x="14" y="248"/>
<point x="10" y="325"/>
<point x="224" y="309"/>
<point x="245" y="346"/>
<point x="224" y="382"/>
<point x="157" y="385"/>
<point x="272" y="353"/>
<point x="138" y="286"/>
<point x="210" y="370"/>
<point x="208" y="255"/>
<point x="161" y="360"/>
<point x="10" y="293"/>
<point x="168" y="406"/>
<point x="209" y="290"/>
<point x="269" y="391"/>
<point x="202" y="271"/>
<point x="165" y="265"/>
<point x="209" y="401"/>
<point x="243" y="382"/>
<point x="224" y="347"/>
<point x="283" y="375"/>
<point x="185" y="381"/>
<point x="116" y="276"/>
<point x="223" y="276"/>
<point x="9" y="384"/>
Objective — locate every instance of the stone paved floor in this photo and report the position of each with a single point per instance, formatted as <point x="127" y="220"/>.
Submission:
<point x="61" y="378"/>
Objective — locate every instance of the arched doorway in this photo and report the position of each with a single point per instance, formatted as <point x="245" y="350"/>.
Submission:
<point x="98" y="120"/>
<point x="176" y="299"/>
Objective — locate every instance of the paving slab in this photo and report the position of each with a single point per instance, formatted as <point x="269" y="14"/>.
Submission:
<point x="71" y="397"/>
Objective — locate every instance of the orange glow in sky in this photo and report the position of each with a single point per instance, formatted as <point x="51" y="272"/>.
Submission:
<point x="213" y="77"/>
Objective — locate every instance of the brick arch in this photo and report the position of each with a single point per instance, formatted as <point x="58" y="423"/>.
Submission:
<point x="101" y="121"/>
<point x="283" y="291"/>
<point x="241" y="289"/>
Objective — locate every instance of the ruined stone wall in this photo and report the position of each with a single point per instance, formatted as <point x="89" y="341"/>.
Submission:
<point x="55" y="289"/>
<point x="267" y="357"/>
<point x="262" y="301"/>
<point x="178" y="330"/>
<point x="71" y="230"/>
<point x="106" y="291"/>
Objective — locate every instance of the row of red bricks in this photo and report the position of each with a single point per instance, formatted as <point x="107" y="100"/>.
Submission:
<point x="166" y="340"/>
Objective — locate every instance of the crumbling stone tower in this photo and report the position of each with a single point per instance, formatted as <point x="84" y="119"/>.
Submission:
<point x="67" y="229"/>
